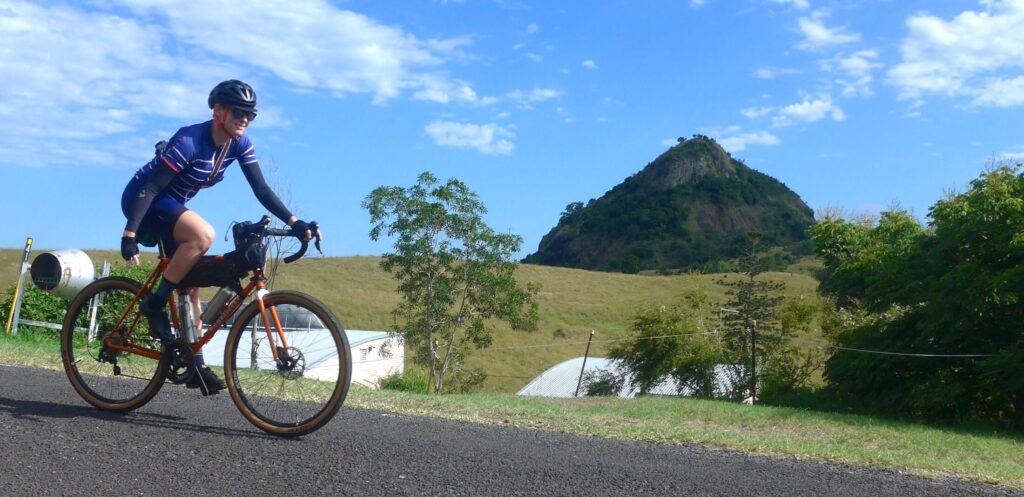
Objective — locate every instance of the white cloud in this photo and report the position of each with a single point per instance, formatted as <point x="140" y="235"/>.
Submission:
<point x="773" y="72"/>
<point x="532" y="28"/>
<point x="443" y="90"/>
<point x="807" y="111"/>
<point x="1002" y="93"/>
<point x="101" y="74"/>
<point x="855" y="72"/>
<point x="489" y="139"/>
<point x="107" y="70"/>
<point x="352" y="54"/>
<point x="818" y="36"/>
<point x="534" y="57"/>
<point x="525" y="98"/>
<point x="756" y="112"/>
<point x="797" y="4"/>
<point x="589" y="64"/>
<point x="733" y="140"/>
<point x="698" y="3"/>
<point x="977" y="54"/>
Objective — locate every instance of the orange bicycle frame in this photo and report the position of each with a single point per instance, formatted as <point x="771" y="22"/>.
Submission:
<point x="256" y="284"/>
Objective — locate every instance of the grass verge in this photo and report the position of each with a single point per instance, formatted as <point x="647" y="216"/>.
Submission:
<point x="992" y="458"/>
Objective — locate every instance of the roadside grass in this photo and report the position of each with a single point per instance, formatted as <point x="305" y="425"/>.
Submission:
<point x="33" y="347"/>
<point x="931" y="452"/>
<point x="991" y="458"/>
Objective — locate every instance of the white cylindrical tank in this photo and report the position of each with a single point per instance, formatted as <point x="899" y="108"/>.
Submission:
<point x="63" y="272"/>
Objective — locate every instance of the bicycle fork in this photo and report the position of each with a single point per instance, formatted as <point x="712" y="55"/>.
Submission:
<point x="278" y="346"/>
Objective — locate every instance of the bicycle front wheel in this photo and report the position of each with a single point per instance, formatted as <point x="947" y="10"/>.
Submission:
<point x="110" y="379"/>
<point x="290" y="386"/>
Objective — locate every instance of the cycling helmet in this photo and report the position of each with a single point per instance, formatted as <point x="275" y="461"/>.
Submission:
<point x="233" y="93"/>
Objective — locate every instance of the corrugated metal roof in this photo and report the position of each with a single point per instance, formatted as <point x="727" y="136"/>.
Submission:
<point x="562" y="379"/>
<point x="359" y="337"/>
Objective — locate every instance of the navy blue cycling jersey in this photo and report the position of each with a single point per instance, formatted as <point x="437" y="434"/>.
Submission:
<point x="193" y="157"/>
<point x="188" y="163"/>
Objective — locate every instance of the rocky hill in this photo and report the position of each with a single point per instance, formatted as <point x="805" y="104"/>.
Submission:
<point x="692" y="206"/>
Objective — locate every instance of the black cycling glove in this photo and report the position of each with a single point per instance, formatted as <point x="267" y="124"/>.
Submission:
<point x="299" y="229"/>
<point x="129" y="247"/>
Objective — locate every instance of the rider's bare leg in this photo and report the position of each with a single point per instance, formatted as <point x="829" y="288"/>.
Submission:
<point x="193" y="296"/>
<point x="195" y="236"/>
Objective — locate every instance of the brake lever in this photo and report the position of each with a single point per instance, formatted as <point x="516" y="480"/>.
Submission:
<point x="314" y="227"/>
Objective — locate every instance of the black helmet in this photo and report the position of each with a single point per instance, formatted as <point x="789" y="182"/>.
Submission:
<point x="233" y="93"/>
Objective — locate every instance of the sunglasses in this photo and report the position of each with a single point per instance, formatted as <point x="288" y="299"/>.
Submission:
<point x="241" y="113"/>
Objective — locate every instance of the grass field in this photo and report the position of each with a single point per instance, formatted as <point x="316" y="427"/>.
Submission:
<point x="572" y="303"/>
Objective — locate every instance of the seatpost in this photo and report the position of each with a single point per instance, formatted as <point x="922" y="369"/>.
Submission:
<point x="186" y="318"/>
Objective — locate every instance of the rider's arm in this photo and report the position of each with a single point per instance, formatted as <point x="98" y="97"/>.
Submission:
<point x="158" y="180"/>
<point x="264" y="194"/>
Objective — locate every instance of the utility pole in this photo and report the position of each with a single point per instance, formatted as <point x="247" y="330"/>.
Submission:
<point x="584" y="368"/>
<point x="753" y="362"/>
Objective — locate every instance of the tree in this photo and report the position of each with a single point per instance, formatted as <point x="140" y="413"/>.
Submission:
<point x="952" y="289"/>
<point x="454" y="273"/>
<point x="751" y="330"/>
<point x="570" y="209"/>
<point x="671" y="342"/>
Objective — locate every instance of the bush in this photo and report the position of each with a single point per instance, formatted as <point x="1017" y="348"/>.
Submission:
<point x="410" y="380"/>
<point x="38" y="305"/>
<point x="602" y="384"/>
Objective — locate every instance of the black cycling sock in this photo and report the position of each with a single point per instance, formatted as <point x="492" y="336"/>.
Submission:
<point x="162" y="293"/>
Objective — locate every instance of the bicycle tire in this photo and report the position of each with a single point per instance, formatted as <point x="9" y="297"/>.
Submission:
<point x="107" y="379"/>
<point x="280" y="401"/>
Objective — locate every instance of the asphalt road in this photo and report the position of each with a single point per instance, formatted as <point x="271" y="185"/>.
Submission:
<point x="53" y="443"/>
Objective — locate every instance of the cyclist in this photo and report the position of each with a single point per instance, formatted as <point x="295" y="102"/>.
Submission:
<point x="196" y="157"/>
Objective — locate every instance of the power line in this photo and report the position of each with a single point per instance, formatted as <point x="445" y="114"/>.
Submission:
<point x="883" y="352"/>
<point x="609" y="340"/>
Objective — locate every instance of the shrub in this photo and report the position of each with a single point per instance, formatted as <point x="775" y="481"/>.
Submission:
<point x="410" y="380"/>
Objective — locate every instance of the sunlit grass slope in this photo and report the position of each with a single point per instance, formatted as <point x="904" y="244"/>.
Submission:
<point x="572" y="303"/>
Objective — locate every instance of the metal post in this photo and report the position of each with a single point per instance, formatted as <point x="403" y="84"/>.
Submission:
<point x="753" y="363"/>
<point x="96" y="303"/>
<point x="12" y="318"/>
<point x="584" y="368"/>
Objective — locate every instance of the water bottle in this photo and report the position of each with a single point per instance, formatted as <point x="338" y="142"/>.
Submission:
<point x="224" y="297"/>
<point x="186" y="318"/>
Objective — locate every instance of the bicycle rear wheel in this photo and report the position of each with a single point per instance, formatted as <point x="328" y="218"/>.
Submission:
<point x="303" y="388"/>
<point x="108" y="379"/>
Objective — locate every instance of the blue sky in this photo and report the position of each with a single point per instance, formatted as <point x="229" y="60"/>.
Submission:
<point x="534" y="104"/>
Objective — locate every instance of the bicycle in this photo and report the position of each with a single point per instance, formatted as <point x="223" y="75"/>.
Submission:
<point x="285" y="379"/>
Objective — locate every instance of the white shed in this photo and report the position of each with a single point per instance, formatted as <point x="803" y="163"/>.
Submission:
<point x="375" y="354"/>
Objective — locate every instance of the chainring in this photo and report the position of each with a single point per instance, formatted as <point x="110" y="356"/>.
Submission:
<point x="179" y="365"/>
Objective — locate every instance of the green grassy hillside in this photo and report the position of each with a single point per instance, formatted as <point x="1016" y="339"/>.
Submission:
<point x="572" y="303"/>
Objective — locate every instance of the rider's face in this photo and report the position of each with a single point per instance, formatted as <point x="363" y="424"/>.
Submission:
<point x="235" y="126"/>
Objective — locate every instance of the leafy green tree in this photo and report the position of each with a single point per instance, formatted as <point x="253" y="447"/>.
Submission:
<point x="454" y="274"/>
<point x="671" y="342"/>
<point x="751" y="329"/>
<point x="952" y="289"/>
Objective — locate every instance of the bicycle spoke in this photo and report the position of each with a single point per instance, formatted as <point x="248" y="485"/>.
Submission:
<point x="107" y="378"/>
<point x="280" y="396"/>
